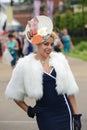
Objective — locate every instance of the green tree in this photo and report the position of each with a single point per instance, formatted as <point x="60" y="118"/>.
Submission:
<point x="72" y="21"/>
<point x="84" y="4"/>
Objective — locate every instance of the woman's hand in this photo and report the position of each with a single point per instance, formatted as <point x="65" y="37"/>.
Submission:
<point x="32" y="111"/>
<point x="76" y="115"/>
<point x="77" y="121"/>
<point x="72" y="47"/>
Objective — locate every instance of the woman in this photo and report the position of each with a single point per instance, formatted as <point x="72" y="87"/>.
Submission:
<point x="12" y="46"/>
<point x="19" y="41"/>
<point x="58" y="45"/>
<point x="67" y="42"/>
<point x="46" y="77"/>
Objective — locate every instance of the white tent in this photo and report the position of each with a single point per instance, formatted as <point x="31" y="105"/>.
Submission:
<point x="14" y="23"/>
<point x="12" y="26"/>
<point x="3" y="19"/>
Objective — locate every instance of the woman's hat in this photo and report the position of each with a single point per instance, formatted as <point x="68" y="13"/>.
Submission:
<point x="41" y="28"/>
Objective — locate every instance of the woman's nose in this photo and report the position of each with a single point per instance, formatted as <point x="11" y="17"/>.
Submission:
<point x="50" y="46"/>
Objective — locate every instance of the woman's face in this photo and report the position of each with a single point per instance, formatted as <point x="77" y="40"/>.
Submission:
<point x="45" y="48"/>
<point x="10" y="38"/>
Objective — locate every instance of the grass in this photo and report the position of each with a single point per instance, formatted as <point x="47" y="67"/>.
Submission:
<point x="80" y="51"/>
<point x="78" y="55"/>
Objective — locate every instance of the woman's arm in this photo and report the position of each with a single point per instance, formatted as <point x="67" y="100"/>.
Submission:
<point x="60" y="44"/>
<point x="71" y="44"/>
<point x="16" y="48"/>
<point x="73" y="104"/>
<point x="31" y="111"/>
<point x="22" y="105"/>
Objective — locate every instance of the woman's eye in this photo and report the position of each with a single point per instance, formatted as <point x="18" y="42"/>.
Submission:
<point x="46" y="43"/>
<point x="52" y="44"/>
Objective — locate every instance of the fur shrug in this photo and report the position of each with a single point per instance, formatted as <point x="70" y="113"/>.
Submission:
<point x="26" y="79"/>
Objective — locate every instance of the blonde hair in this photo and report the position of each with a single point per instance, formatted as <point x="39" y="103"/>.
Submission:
<point x="54" y="35"/>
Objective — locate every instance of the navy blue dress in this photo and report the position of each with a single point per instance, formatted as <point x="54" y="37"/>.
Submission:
<point x="54" y="110"/>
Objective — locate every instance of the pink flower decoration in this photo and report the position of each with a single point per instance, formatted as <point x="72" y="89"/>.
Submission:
<point x="33" y="25"/>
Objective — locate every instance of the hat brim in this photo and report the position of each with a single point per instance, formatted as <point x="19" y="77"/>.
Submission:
<point x="44" y="21"/>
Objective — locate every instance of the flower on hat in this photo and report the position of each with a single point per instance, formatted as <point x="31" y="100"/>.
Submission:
<point x="42" y="31"/>
<point x="37" y="39"/>
<point x="40" y="36"/>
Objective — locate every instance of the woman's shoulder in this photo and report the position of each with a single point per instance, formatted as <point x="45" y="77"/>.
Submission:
<point x="58" y="57"/>
<point x="26" y="58"/>
<point x="57" y="54"/>
<point x="23" y="62"/>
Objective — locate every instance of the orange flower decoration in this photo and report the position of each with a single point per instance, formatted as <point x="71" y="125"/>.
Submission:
<point x="37" y="39"/>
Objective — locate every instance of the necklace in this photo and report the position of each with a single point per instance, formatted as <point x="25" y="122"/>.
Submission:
<point x="43" y="62"/>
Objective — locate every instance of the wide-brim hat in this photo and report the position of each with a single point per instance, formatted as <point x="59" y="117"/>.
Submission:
<point x="41" y="27"/>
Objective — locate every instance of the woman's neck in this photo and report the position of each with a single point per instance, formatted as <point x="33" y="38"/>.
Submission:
<point x="42" y="59"/>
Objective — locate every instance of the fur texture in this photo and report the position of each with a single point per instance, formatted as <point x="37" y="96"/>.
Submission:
<point x="26" y="78"/>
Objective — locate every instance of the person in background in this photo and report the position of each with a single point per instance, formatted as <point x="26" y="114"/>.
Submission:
<point x="27" y="47"/>
<point x="58" y="45"/>
<point x="67" y="42"/>
<point x="12" y="46"/>
<point x="46" y="77"/>
<point x="20" y="45"/>
<point x="0" y="49"/>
